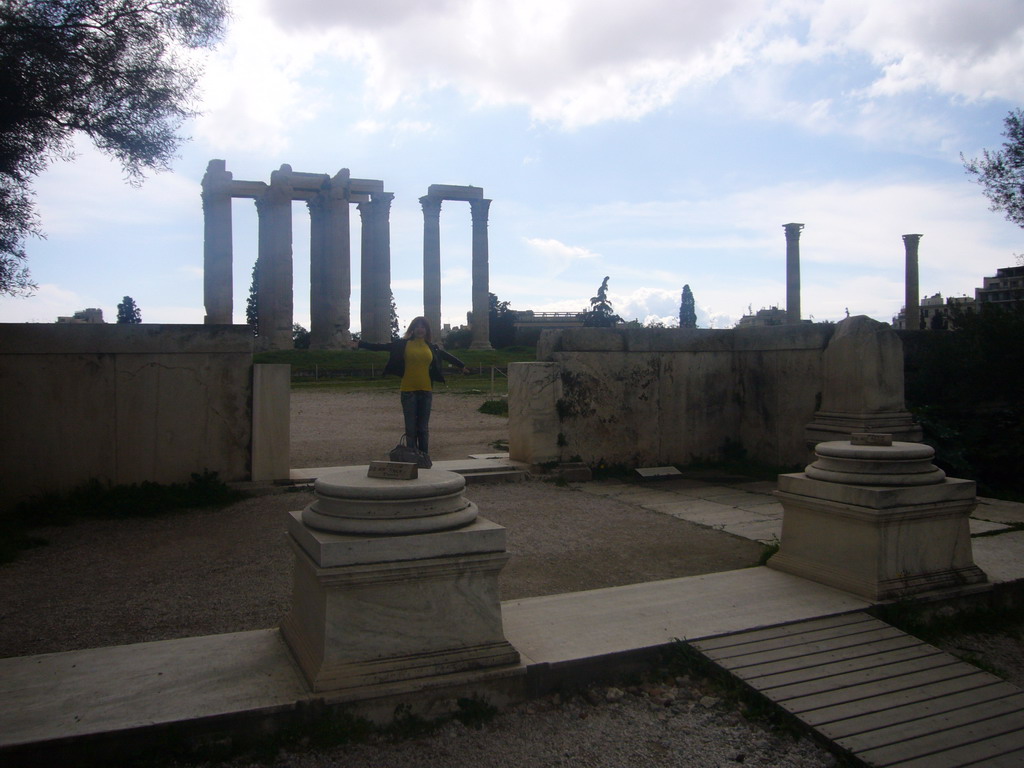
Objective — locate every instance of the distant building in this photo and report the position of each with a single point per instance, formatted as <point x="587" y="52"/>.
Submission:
<point x="1005" y="287"/>
<point x="90" y="315"/>
<point x="936" y="312"/>
<point x="542" y="321"/>
<point x="763" y="317"/>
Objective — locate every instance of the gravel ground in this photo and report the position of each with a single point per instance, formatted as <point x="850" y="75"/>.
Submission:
<point x="227" y="570"/>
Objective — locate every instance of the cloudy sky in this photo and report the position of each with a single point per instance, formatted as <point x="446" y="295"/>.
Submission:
<point x="659" y="142"/>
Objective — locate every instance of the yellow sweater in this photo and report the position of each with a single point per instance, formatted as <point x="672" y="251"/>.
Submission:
<point x="417" y="366"/>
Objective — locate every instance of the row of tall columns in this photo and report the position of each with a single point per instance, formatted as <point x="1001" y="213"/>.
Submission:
<point x="912" y="303"/>
<point x="328" y="200"/>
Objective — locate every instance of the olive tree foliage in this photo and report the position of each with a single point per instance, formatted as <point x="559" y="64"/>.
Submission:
<point x="113" y="70"/>
<point x="1001" y="173"/>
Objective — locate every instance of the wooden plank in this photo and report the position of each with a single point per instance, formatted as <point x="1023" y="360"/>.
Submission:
<point x="871" y="688"/>
<point x="796" y="633"/>
<point x="801" y="651"/>
<point x="886" y="700"/>
<point x="882" y="695"/>
<point x="840" y="666"/>
<point x="1002" y="750"/>
<point x="924" y="664"/>
<point x="927" y="706"/>
<point x="1012" y="759"/>
<point x="878" y="654"/>
<point x="782" y="631"/>
<point x="996" y="735"/>
<point x="968" y="714"/>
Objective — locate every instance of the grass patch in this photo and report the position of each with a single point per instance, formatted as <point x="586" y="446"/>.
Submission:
<point x="362" y="369"/>
<point x="494" y="407"/>
<point x="101" y="500"/>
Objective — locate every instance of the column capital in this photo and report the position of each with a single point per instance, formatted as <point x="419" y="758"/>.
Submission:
<point x="478" y="209"/>
<point x="431" y="205"/>
<point x="383" y="199"/>
<point x="912" y="239"/>
<point x="793" y="229"/>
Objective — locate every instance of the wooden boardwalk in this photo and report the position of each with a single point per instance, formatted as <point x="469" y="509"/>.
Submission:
<point x="885" y="697"/>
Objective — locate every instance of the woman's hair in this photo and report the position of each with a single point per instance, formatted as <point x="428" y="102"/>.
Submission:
<point x="412" y="326"/>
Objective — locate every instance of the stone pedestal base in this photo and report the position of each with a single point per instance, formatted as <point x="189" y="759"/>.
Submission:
<point x="377" y="609"/>
<point x="877" y="542"/>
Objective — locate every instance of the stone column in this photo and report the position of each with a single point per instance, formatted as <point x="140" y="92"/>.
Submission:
<point x="375" y="291"/>
<point x="382" y="240"/>
<point x="217" y="249"/>
<point x="912" y="301"/>
<point x="329" y="266"/>
<point x="432" y="261"/>
<point x="274" y="262"/>
<point x="481" y="303"/>
<point x="793" y="271"/>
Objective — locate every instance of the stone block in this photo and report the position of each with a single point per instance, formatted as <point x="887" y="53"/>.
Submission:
<point x="271" y="422"/>
<point x="879" y="543"/>
<point x="378" y="609"/>
<point x="533" y="393"/>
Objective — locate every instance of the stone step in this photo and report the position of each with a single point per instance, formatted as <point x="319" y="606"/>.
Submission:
<point x="508" y="475"/>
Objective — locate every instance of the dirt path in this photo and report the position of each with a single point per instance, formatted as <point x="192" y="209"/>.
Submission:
<point x="202" y="572"/>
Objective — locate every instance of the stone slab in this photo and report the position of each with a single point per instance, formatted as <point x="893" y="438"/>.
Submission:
<point x="657" y="473"/>
<point x="130" y="686"/>
<point x="1001" y="557"/>
<point x="617" y="619"/>
<point x="329" y="550"/>
<point x="1000" y="511"/>
<point x="765" y="531"/>
<point x="984" y="526"/>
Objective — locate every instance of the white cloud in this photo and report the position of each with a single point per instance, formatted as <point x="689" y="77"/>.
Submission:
<point x="574" y="63"/>
<point x="49" y="302"/>
<point x="558" y="256"/>
<point x="254" y="93"/>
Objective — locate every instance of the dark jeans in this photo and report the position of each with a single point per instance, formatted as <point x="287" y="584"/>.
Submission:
<point x="416" y="407"/>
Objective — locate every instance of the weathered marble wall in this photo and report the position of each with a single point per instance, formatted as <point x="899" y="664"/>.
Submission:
<point x="647" y="397"/>
<point x="122" y="403"/>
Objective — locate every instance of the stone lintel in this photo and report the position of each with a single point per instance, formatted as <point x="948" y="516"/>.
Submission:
<point x="891" y="499"/>
<point x="455" y="192"/>
<point x="252" y="189"/>
<point x="365" y="186"/>
<point x="329" y="550"/>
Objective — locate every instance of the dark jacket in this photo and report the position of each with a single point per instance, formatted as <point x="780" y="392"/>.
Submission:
<point x="396" y="358"/>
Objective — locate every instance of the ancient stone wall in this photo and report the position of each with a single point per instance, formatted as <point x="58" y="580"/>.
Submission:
<point x="122" y="403"/>
<point x="647" y="397"/>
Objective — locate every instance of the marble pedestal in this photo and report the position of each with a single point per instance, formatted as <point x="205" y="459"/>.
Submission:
<point x="372" y="608"/>
<point x="875" y="528"/>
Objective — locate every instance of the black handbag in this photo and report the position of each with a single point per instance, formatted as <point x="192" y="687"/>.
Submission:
<point x="407" y="453"/>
